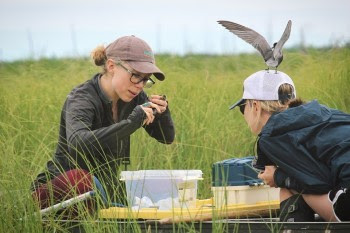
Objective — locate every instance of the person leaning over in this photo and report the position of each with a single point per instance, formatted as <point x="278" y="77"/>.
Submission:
<point x="302" y="148"/>
<point x="98" y="118"/>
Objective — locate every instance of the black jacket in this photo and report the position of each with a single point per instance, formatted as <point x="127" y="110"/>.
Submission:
<point x="310" y="144"/>
<point x="90" y="139"/>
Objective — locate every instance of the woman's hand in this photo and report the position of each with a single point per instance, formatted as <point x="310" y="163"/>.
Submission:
<point x="148" y="109"/>
<point x="159" y="100"/>
<point x="267" y="176"/>
<point x="156" y="104"/>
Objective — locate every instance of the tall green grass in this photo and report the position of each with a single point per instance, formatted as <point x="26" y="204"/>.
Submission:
<point x="199" y="89"/>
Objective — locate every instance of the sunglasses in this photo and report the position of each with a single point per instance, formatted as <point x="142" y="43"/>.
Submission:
<point x="242" y="106"/>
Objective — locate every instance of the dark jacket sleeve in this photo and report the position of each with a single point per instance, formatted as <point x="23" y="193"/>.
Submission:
<point x="282" y="180"/>
<point x="297" y="168"/>
<point x="162" y="128"/>
<point x="81" y="137"/>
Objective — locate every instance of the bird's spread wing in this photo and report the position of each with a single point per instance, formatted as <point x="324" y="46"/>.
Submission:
<point x="284" y="38"/>
<point x="250" y="36"/>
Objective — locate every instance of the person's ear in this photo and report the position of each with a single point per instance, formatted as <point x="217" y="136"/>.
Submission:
<point x="256" y="106"/>
<point x="110" y="65"/>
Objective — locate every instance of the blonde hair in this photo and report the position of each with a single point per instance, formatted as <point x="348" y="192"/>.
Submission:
<point x="286" y="100"/>
<point x="99" y="56"/>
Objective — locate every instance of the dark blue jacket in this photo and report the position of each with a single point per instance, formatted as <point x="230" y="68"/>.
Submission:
<point x="310" y="144"/>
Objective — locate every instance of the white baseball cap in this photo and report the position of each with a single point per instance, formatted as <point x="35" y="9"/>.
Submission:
<point x="264" y="85"/>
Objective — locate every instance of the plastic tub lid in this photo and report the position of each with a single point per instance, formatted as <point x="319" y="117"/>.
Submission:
<point x="236" y="161"/>
<point x="161" y="174"/>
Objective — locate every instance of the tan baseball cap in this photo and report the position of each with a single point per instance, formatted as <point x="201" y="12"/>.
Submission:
<point x="137" y="53"/>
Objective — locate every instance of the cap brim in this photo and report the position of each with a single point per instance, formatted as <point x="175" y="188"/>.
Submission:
<point x="239" y="102"/>
<point x="147" y="68"/>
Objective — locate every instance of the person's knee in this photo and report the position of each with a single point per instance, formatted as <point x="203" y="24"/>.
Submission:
<point x="285" y="194"/>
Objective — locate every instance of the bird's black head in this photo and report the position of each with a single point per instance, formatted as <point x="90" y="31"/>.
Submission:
<point x="274" y="45"/>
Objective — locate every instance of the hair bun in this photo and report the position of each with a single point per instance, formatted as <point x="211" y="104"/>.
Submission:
<point x="99" y="55"/>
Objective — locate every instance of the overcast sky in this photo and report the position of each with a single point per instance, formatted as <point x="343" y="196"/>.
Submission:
<point x="47" y="28"/>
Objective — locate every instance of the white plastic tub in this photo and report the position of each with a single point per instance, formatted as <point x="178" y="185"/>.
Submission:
<point x="245" y="194"/>
<point x="162" y="189"/>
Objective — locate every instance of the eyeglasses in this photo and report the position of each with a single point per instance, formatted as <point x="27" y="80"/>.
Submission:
<point x="242" y="106"/>
<point x="136" y="78"/>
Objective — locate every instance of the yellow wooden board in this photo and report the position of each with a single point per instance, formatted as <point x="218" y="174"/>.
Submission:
<point x="203" y="210"/>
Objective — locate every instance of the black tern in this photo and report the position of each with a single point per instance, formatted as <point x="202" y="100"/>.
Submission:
<point x="272" y="56"/>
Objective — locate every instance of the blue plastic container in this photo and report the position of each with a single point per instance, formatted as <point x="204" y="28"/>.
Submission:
<point x="235" y="172"/>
